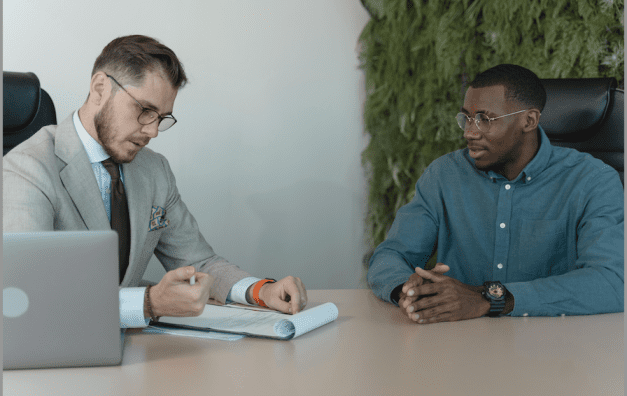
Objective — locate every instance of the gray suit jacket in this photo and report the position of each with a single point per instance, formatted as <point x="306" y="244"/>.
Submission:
<point x="48" y="184"/>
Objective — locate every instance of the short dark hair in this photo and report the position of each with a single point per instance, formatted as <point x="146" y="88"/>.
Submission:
<point x="128" y="59"/>
<point x="521" y="84"/>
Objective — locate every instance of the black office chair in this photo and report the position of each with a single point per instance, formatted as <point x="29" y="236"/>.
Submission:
<point x="588" y="115"/>
<point x="27" y="108"/>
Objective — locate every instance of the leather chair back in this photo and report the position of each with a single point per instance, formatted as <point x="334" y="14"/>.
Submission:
<point x="27" y="108"/>
<point x="588" y="115"/>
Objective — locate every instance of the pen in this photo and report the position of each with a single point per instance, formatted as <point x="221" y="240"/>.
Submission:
<point x="192" y="280"/>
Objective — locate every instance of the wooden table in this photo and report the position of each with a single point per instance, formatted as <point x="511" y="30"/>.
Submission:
<point x="371" y="349"/>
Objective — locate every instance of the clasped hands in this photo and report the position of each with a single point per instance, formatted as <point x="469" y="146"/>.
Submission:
<point x="430" y="297"/>
<point x="174" y="296"/>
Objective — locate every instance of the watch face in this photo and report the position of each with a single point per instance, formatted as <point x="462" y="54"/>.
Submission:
<point x="495" y="290"/>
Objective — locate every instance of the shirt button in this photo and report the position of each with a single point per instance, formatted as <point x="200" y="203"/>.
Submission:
<point x="502" y="225"/>
<point x="507" y="186"/>
<point x="499" y="266"/>
<point x="108" y="191"/>
<point x="525" y="314"/>
<point x="528" y="178"/>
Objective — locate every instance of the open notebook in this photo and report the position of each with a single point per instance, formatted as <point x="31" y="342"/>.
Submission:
<point x="253" y="321"/>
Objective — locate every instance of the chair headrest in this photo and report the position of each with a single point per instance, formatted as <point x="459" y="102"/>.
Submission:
<point x="20" y="98"/>
<point x="574" y="106"/>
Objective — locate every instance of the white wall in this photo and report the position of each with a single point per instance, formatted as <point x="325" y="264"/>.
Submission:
<point x="267" y="148"/>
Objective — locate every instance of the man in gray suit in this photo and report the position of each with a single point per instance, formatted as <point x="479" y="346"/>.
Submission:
<point x="92" y="172"/>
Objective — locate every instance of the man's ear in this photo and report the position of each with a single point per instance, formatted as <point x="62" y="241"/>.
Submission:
<point x="99" y="88"/>
<point x="531" y="120"/>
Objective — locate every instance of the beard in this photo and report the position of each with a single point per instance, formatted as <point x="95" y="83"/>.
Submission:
<point x="103" y="121"/>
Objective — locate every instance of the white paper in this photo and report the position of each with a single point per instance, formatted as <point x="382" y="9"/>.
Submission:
<point x="214" y="335"/>
<point x="313" y="318"/>
<point x="256" y="322"/>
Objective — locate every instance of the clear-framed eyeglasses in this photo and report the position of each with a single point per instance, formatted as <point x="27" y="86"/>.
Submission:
<point x="148" y="116"/>
<point x="482" y="121"/>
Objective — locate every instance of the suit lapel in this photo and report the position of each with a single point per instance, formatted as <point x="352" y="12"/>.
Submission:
<point x="78" y="177"/>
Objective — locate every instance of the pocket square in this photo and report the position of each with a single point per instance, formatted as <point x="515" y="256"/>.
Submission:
<point x="157" y="219"/>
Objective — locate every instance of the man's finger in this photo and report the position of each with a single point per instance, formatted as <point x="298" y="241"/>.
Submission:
<point x="291" y="289"/>
<point x="432" y="276"/>
<point x="441" y="268"/>
<point x="282" y="306"/>
<point x="414" y="280"/>
<point x="182" y="274"/>
<point x="426" y="289"/>
<point x="443" y="317"/>
<point x="435" y="314"/>
<point x="429" y="301"/>
<point x="407" y="299"/>
<point x="410" y="300"/>
<point x="303" y="292"/>
<point x="204" y="279"/>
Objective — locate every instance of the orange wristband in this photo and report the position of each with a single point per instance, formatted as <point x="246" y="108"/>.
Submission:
<point x="257" y="288"/>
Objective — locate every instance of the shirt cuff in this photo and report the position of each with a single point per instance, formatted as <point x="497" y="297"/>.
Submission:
<point x="238" y="291"/>
<point x="132" y="307"/>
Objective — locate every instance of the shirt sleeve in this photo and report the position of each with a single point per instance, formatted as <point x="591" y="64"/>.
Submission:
<point x="238" y="291"/>
<point x="410" y="242"/>
<point x="132" y="307"/>
<point x="132" y="302"/>
<point x="595" y="282"/>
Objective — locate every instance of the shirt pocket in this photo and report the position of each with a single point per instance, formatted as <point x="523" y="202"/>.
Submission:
<point x="542" y="248"/>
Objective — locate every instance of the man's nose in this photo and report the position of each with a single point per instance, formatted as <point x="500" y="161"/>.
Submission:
<point x="152" y="129"/>
<point x="471" y="131"/>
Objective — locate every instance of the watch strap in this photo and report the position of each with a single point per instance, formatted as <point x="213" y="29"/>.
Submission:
<point x="496" y="308"/>
<point x="257" y="288"/>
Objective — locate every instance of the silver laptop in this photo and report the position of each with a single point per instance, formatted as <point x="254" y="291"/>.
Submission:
<point x="60" y="301"/>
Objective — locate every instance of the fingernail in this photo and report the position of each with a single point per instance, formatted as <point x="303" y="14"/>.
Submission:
<point x="421" y="321"/>
<point x="416" y="316"/>
<point x="290" y="310"/>
<point x="410" y="293"/>
<point x="410" y="309"/>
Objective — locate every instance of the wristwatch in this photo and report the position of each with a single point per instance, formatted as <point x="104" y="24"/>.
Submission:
<point x="495" y="293"/>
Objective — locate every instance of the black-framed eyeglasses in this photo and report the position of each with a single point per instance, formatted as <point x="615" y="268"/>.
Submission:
<point x="148" y="116"/>
<point x="482" y="121"/>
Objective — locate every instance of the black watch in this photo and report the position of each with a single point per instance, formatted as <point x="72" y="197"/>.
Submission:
<point x="495" y="293"/>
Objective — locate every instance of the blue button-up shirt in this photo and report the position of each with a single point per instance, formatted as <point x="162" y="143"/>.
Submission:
<point x="553" y="236"/>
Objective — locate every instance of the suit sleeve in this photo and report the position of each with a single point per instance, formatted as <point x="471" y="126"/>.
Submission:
<point x="182" y="244"/>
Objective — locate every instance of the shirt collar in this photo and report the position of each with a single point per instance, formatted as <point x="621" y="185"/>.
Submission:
<point x="540" y="161"/>
<point x="533" y="168"/>
<point x="95" y="152"/>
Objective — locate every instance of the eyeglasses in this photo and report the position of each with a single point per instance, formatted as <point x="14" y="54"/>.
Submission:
<point x="482" y="121"/>
<point x="148" y="116"/>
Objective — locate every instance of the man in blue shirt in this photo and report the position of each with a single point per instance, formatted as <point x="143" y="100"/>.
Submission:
<point x="521" y="227"/>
